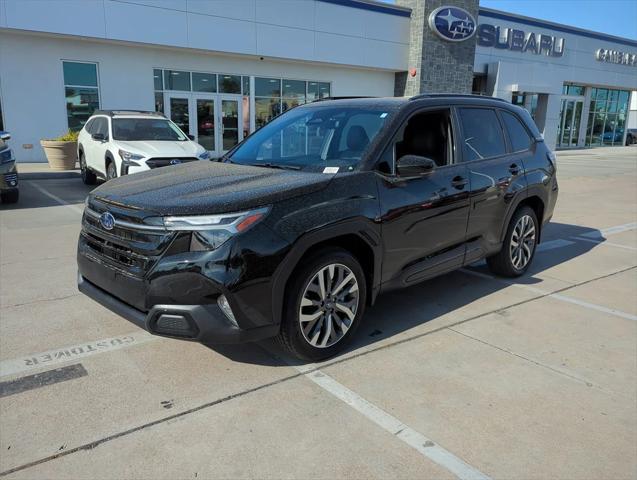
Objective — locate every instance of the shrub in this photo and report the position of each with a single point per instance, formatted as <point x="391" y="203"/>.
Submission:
<point x="69" y="136"/>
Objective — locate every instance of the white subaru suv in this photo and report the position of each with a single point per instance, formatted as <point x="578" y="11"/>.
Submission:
<point x="120" y="142"/>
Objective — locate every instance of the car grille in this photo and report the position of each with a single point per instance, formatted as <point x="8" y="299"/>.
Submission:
<point x="164" y="162"/>
<point x="11" y="179"/>
<point x="129" y="250"/>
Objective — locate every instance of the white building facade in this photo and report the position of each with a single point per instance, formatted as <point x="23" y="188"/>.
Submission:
<point x="223" y="68"/>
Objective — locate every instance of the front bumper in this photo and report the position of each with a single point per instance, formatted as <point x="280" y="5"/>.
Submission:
<point x="8" y="176"/>
<point x="202" y="323"/>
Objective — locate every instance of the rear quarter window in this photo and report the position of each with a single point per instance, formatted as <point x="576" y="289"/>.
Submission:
<point x="518" y="134"/>
<point x="483" y="137"/>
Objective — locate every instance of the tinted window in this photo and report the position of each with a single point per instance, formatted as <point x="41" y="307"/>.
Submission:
<point x="139" y="129"/>
<point x="519" y="137"/>
<point x="80" y="74"/>
<point x="482" y="133"/>
<point x="101" y="126"/>
<point x="89" y="126"/>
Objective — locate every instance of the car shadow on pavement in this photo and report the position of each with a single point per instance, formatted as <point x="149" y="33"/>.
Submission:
<point x="397" y="312"/>
<point x="67" y="186"/>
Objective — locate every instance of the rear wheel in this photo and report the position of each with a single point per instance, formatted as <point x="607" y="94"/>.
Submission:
<point x="519" y="245"/>
<point x="88" y="177"/>
<point x="111" y="170"/>
<point x="10" y="196"/>
<point x="326" y="301"/>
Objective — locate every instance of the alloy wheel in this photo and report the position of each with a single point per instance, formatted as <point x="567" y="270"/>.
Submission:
<point x="329" y="305"/>
<point x="522" y="242"/>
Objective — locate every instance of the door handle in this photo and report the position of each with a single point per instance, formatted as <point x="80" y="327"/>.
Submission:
<point x="514" y="169"/>
<point x="459" y="182"/>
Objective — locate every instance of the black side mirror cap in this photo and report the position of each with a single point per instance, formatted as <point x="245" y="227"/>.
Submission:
<point x="191" y="137"/>
<point x="98" y="137"/>
<point x="414" y="166"/>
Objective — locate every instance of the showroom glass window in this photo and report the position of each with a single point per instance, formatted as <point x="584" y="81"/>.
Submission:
<point x="267" y="100"/>
<point x="607" y="117"/>
<point x="482" y="134"/>
<point x="81" y="89"/>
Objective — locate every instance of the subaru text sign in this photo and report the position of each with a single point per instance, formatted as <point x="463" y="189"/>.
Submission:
<point x="452" y="23"/>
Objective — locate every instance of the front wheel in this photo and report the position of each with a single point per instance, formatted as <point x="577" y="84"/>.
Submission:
<point x="111" y="171"/>
<point x="10" y="196"/>
<point x="88" y="177"/>
<point x="326" y="301"/>
<point x="519" y="245"/>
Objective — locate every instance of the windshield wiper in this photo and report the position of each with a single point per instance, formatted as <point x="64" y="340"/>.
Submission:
<point x="275" y="165"/>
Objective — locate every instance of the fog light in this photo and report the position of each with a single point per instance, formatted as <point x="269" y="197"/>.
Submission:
<point x="222" y="301"/>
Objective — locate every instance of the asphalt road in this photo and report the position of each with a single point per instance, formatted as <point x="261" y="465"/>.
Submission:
<point x="464" y="376"/>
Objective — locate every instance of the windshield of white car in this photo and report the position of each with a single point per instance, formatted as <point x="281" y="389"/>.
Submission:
<point x="313" y="139"/>
<point x="149" y="129"/>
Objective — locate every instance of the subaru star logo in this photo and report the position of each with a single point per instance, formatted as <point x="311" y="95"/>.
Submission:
<point x="452" y="24"/>
<point x="107" y="221"/>
<point x="175" y="161"/>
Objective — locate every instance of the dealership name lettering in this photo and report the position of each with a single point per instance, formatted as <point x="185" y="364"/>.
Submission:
<point x="520" y="41"/>
<point x="615" y="56"/>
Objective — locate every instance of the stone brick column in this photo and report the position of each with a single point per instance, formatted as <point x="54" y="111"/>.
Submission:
<point x="441" y="66"/>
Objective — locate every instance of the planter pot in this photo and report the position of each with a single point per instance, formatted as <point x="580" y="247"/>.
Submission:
<point x="61" y="155"/>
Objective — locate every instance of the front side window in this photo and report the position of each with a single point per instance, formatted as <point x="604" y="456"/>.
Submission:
<point x="313" y="139"/>
<point x="518" y="135"/>
<point x="148" y="129"/>
<point x="81" y="90"/>
<point x="482" y="134"/>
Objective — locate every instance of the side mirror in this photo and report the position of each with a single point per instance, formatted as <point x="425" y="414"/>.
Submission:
<point x="5" y="136"/>
<point x="98" y="137"/>
<point x="414" y="166"/>
<point x="191" y="137"/>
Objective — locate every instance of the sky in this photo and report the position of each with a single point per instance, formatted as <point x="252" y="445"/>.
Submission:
<point x="615" y="17"/>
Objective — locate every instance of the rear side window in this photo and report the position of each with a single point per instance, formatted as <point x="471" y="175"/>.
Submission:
<point x="518" y="135"/>
<point x="483" y="136"/>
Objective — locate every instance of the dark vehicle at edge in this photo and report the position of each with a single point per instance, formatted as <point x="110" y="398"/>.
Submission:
<point x="9" y="192"/>
<point x="309" y="219"/>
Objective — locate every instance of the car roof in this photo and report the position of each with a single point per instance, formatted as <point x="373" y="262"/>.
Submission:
<point x="128" y="113"/>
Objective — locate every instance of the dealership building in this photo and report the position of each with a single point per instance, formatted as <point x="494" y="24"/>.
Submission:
<point x="223" y="68"/>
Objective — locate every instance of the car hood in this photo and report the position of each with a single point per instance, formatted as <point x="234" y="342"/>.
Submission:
<point x="154" y="148"/>
<point x="207" y="188"/>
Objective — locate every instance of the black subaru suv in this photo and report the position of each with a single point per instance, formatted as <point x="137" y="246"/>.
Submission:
<point x="301" y="226"/>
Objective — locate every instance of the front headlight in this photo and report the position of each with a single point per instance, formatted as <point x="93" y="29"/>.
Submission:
<point x="128" y="156"/>
<point x="205" y="155"/>
<point x="211" y="231"/>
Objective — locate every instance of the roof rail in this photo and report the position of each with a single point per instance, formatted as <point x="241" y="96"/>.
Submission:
<point x="110" y="113"/>
<point x="455" y="95"/>
<point x="340" y="98"/>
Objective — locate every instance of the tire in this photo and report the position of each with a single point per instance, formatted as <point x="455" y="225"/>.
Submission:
<point x="319" y="337"/>
<point x="513" y="260"/>
<point x="88" y="177"/>
<point x="10" y="196"/>
<point x="629" y="140"/>
<point x="111" y="170"/>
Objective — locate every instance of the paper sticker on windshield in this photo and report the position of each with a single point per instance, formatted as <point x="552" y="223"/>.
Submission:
<point x="330" y="170"/>
<point x="383" y="115"/>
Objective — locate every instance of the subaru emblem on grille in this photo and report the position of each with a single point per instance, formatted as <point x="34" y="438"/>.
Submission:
<point x="175" y="161"/>
<point x="107" y="221"/>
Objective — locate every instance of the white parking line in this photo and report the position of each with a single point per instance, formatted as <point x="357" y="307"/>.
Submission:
<point x="556" y="296"/>
<point x="419" y="442"/>
<point x="58" y="356"/>
<point x="61" y="201"/>
<point x="551" y="244"/>
<point x="605" y="243"/>
<point x="610" y="231"/>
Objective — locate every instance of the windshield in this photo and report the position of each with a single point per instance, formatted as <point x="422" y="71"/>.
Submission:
<point x="313" y="139"/>
<point x="136" y="129"/>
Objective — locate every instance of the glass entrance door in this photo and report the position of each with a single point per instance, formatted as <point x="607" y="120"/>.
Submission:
<point x="213" y="120"/>
<point x="570" y="120"/>
<point x="230" y="120"/>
